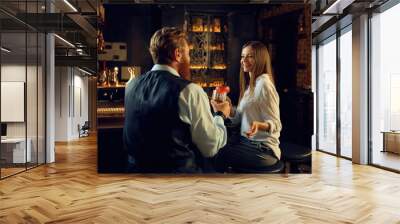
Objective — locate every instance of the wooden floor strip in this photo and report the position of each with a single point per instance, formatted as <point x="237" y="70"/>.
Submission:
<point x="71" y="191"/>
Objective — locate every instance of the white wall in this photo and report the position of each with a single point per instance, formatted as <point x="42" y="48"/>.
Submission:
<point x="80" y="111"/>
<point x="13" y="73"/>
<point x="62" y="80"/>
<point x="71" y="102"/>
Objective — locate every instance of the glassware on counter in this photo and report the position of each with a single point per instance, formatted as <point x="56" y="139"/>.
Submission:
<point x="131" y="71"/>
<point x="220" y="93"/>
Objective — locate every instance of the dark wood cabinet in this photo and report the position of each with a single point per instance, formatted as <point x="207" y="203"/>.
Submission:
<point x="111" y="156"/>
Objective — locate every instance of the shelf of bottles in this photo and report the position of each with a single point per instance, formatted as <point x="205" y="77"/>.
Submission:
<point x="110" y="91"/>
<point x="208" y="38"/>
<point x="108" y="109"/>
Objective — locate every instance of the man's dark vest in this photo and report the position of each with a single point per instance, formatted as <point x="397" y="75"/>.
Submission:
<point x="154" y="135"/>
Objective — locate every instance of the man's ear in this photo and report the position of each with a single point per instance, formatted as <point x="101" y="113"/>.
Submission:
<point x="178" y="55"/>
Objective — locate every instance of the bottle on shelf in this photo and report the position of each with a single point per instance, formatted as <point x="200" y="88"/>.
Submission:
<point x="102" y="78"/>
<point x="216" y="26"/>
<point x="100" y="42"/>
<point x="113" y="77"/>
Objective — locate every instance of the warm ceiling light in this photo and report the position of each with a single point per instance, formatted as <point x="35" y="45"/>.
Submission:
<point x="65" y="41"/>
<point x="70" y="5"/>
<point x="5" y="50"/>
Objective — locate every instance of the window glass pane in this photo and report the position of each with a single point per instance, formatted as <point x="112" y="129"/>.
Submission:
<point x="31" y="96"/>
<point x="14" y="153"/>
<point x="41" y="98"/>
<point x="327" y="96"/>
<point x="22" y="78"/>
<point x="346" y="94"/>
<point x="385" y="84"/>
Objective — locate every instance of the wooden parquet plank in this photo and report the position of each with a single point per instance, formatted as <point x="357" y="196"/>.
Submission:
<point x="71" y="191"/>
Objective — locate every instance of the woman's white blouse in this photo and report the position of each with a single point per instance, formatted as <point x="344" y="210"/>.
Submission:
<point x="263" y="106"/>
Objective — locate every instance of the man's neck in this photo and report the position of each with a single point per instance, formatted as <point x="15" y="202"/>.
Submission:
<point x="174" y="65"/>
<point x="177" y="67"/>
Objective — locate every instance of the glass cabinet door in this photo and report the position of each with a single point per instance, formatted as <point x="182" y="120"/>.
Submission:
<point x="208" y="39"/>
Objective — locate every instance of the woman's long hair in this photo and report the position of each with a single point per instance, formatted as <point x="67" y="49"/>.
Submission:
<point x="262" y="66"/>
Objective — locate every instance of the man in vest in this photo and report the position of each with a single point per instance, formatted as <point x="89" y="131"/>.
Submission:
<point x="169" y="127"/>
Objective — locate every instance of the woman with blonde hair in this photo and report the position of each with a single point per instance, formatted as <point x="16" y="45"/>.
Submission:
<point x="257" y="148"/>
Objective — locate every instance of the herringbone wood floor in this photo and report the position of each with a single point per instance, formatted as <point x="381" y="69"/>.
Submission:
<point x="71" y="191"/>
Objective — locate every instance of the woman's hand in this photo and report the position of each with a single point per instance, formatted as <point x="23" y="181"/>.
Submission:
<point x="232" y="112"/>
<point x="257" y="126"/>
<point x="224" y="107"/>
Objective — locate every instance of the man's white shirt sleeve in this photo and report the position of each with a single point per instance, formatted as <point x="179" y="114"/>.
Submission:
<point x="208" y="133"/>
